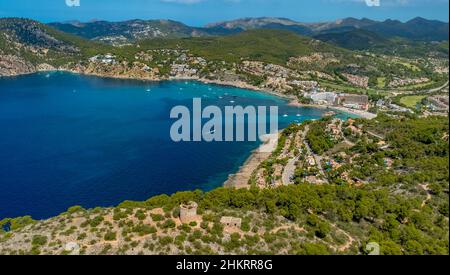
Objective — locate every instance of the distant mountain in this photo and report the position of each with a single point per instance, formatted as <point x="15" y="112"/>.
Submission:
<point x="357" y="39"/>
<point x="119" y="33"/>
<point x="27" y="45"/>
<point x="340" y="25"/>
<point x="419" y="29"/>
<point x="254" y="23"/>
<point x="29" y="33"/>
<point x="128" y="31"/>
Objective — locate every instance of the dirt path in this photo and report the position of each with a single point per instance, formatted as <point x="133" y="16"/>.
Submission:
<point x="287" y="226"/>
<point x="428" y="198"/>
<point x="350" y="239"/>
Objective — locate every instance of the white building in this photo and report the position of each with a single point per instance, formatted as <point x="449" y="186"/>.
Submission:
<point x="323" y="98"/>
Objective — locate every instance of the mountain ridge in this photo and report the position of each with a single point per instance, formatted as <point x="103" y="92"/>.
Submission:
<point x="122" y="32"/>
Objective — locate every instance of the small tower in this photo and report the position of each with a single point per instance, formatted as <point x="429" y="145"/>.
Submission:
<point x="188" y="212"/>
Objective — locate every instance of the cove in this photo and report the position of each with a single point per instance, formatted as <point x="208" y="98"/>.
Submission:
<point x="68" y="139"/>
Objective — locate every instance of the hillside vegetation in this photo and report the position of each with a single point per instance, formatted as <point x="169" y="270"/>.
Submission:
<point x="404" y="209"/>
<point x="272" y="46"/>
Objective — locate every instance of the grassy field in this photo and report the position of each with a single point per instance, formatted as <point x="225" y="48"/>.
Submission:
<point x="381" y="82"/>
<point x="411" y="101"/>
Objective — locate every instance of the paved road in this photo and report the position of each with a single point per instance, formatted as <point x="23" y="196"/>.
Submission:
<point x="289" y="171"/>
<point x="437" y="89"/>
<point x="375" y="135"/>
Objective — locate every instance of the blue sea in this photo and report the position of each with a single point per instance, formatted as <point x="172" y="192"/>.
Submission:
<point x="68" y="139"/>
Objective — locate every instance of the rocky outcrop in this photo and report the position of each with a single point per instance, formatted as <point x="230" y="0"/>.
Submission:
<point x="135" y="70"/>
<point x="11" y="65"/>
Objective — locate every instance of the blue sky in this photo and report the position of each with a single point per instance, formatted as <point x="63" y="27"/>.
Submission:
<point x="200" y="12"/>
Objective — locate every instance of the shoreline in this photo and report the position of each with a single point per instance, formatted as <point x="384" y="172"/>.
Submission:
<point x="241" y="178"/>
<point x="236" y="84"/>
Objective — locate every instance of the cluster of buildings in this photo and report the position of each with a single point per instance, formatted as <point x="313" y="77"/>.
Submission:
<point x="305" y="84"/>
<point x="260" y="69"/>
<point x="105" y="59"/>
<point x="398" y="82"/>
<point x="353" y="101"/>
<point x="439" y="103"/>
<point x="357" y="80"/>
<point x="182" y="70"/>
<point x="389" y="106"/>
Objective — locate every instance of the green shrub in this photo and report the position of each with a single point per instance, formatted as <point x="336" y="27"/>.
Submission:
<point x="140" y="215"/>
<point x="110" y="236"/>
<point x="157" y="217"/>
<point x="193" y="224"/>
<point x="168" y="224"/>
<point x="39" y="240"/>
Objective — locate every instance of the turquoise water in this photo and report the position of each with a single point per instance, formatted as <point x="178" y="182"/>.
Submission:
<point x="68" y="140"/>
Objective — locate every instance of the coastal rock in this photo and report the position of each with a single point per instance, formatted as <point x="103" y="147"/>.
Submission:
<point x="11" y="65"/>
<point x="45" y="67"/>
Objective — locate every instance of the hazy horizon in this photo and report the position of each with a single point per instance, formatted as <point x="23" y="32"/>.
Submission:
<point x="232" y="19"/>
<point x="201" y="12"/>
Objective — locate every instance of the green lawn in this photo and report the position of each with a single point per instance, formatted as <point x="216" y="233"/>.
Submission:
<point x="411" y="101"/>
<point x="381" y="82"/>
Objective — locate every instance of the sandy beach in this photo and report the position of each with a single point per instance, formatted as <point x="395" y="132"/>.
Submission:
<point x="242" y="177"/>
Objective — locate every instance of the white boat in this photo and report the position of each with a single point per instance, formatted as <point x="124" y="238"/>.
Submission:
<point x="231" y="101"/>
<point x="299" y="115"/>
<point x="149" y="90"/>
<point x="285" y="115"/>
